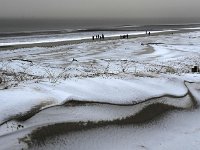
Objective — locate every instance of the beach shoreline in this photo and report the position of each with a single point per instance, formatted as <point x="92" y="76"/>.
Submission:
<point x="89" y="40"/>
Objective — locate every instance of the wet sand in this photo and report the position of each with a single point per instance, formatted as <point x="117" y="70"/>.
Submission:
<point x="148" y="50"/>
<point x="40" y="135"/>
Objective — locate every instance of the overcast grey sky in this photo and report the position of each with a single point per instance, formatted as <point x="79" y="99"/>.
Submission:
<point x="99" y="8"/>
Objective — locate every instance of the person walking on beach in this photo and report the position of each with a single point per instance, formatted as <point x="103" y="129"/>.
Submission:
<point x="102" y="36"/>
<point x="149" y="33"/>
<point x="93" y="38"/>
<point x="127" y="36"/>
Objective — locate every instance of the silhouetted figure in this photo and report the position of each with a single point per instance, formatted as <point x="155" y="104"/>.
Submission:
<point x="124" y="36"/>
<point x="98" y="36"/>
<point x="102" y="36"/>
<point x="74" y="59"/>
<point x="195" y="69"/>
<point x="93" y="38"/>
<point x="149" y="33"/>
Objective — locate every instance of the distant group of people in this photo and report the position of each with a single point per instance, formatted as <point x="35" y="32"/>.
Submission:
<point x="98" y="37"/>
<point x="101" y="37"/>
<point x="124" y="36"/>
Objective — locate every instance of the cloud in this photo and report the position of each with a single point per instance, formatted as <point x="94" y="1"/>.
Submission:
<point x="99" y="8"/>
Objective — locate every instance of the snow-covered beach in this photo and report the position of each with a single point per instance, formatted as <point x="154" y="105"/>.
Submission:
<point x="80" y="96"/>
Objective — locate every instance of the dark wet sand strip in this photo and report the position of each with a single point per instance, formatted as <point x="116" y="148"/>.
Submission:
<point x="148" y="50"/>
<point x="41" y="135"/>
